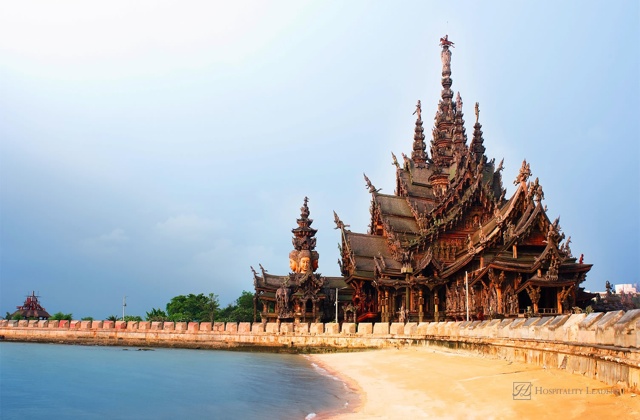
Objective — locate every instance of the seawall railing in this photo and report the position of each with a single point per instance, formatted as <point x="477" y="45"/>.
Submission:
<point x="604" y="346"/>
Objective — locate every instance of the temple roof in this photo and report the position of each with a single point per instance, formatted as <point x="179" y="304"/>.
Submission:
<point x="455" y="198"/>
<point x="31" y="308"/>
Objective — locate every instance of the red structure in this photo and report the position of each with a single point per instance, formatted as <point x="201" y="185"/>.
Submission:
<point x="447" y="244"/>
<point x="32" y="308"/>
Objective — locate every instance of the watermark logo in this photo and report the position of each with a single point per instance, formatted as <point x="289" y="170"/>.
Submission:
<point x="524" y="391"/>
<point x="521" y="391"/>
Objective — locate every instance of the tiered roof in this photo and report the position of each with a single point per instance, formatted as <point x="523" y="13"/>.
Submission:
<point x="450" y="209"/>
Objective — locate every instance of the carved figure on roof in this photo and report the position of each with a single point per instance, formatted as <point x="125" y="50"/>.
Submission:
<point x="477" y="111"/>
<point x="500" y="166"/>
<point x="406" y="161"/>
<point x="524" y="174"/>
<point x="552" y="235"/>
<point x="535" y="191"/>
<point x="370" y="186"/>
<point x="552" y="272"/>
<point x="497" y="214"/>
<point x="483" y="236"/>
<point x="609" y="287"/>
<point x="444" y="41"/>
<point x="418" y="110"/>
<point x="470" y="247"/>
<point x="458" y="104"/>
<point x="395" y="160"/>
<point x="566" y="249"/>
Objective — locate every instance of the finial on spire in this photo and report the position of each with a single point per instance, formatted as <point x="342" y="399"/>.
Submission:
<point x="370" y="186"/>
<point x="418" y="110"/>
<point x="338" y="222"/>
<point x="304" y="210"/>
<point x="444" y="42"/>
<point x="477" y="112"/>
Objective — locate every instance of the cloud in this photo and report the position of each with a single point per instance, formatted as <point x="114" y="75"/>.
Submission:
<point x="107" y="243"/>
<point x="116" y="236"/>
<point x="187" y="227"/>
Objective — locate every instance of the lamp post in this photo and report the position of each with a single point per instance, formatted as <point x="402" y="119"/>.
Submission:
<point x="124" y="305"/>
<point x="337" y="289"/>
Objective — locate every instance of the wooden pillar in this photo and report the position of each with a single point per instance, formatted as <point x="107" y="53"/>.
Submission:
<point x="392" y="304"/>
<point x="407" y="298"/>
<point x="559" y="300"/>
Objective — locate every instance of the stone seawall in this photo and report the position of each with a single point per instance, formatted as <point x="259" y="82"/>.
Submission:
<point x="604" y="346"/>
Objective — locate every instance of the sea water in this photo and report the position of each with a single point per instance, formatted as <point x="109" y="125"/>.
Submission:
<point x="49" y="381"/>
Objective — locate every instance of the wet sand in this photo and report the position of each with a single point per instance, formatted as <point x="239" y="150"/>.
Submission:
<point x="429" y="383"/>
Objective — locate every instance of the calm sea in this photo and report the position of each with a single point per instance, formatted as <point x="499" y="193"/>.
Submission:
<point x="49" y="381"/>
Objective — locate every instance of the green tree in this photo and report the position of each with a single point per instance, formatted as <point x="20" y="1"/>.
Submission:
<point x="59" y="316"/>
<point x="193" y="308"/>
<point x="113" y="318"/>
<point x="240" y="311"/>
<point x="87" y="318"/>
<point x="129" y="318"/>
<point x="17" y="317"/>
<point x="156" y="315"/>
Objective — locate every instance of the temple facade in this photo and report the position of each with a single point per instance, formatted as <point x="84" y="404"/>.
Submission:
<point x="448" y="244"/>
<point x="302" y="295"/>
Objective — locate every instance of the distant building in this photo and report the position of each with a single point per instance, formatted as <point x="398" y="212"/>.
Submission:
<point x="626" y="288"/>
<point x="32" y="309"/>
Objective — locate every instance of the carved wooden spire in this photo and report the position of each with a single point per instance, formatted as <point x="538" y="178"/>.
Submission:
<point x="304" y="258"/>
<point x="419" y="156"/>
<point x="459" y="136"/>
<point x="477" y="148"/>
<point x="303" y="235"/>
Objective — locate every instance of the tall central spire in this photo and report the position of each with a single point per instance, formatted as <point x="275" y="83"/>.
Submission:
<point x="441" y="144"/>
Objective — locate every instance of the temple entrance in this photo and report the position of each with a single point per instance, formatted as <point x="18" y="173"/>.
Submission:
<point x="524" y="303"/>
<point x="548" y="301"/>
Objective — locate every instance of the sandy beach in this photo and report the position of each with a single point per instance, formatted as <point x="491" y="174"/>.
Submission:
<point x="430" y="383"/>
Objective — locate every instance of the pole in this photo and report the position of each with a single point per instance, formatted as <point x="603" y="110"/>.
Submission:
<point x="124" y="305"/>
<point x="466" y="284"/>
<point x="337" y="305"/>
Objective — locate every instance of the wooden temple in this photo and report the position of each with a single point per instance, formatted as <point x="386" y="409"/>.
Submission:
<point x="449" y="242"/>
<point x="302" y="295"/>
<point x="446" y="245"/>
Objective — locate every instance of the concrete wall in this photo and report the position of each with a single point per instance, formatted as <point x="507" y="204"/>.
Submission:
<point x="605" y="346"/>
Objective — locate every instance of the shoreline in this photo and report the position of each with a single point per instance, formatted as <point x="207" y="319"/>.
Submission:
<point x="357" y="398"/>
<point x="430" y="383"/>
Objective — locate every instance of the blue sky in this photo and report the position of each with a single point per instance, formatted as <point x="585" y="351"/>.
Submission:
<point x="151" y="149"/>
